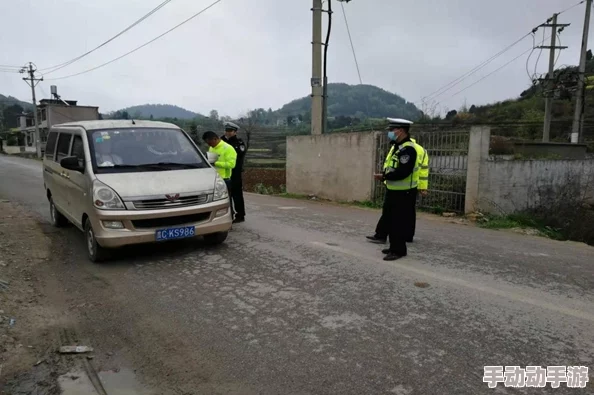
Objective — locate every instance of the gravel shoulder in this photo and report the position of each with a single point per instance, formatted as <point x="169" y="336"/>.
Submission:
<point x="34" y="318"/>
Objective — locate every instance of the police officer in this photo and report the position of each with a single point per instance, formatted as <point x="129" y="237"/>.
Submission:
<point x="381" y="232"/>
<point x="231" y="138"/>
<point x="401" y="177"/>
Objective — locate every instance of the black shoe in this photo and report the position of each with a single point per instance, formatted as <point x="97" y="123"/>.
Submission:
<point x="238" y="220"/>
<point x="376" y="240"/>
<point x="409" y="240"/>
<point x="386" y="251"/>
<point x="392" y="257"/>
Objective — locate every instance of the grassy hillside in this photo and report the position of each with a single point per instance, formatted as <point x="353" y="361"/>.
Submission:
<point x="523" y="117"/>
<point x="6" y="101"/>
<point x="356" y="101"/>
<point x="155" y="111"/>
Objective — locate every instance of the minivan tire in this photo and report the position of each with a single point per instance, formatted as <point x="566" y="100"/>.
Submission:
<point x="58" y="220"/>
<point x="95" y="252"/>
<point x="216" y="238"/>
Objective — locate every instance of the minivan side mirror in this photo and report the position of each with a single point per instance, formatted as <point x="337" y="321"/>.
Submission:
<point x="212" y="157"/>
<point x="71" y="163"/>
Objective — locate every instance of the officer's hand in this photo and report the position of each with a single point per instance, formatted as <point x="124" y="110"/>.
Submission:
<point x="424" y="192"/>
<point x="378" y="177"/>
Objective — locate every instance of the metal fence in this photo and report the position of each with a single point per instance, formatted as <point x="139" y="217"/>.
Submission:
<point x="448" y="164"/>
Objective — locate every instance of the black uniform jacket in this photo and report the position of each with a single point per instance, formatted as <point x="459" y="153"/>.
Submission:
<point x="241" y="150"/>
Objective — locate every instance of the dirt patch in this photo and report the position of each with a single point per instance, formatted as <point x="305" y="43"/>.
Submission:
<point x="272" y="179"/>
<point x="28" y="321"/>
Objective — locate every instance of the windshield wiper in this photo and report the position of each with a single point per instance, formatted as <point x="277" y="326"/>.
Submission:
<point x="156" y="166"/>
<point x="167" y="165"/>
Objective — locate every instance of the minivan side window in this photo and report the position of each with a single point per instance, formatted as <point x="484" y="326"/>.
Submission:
<point x="50" y="147"/>
<point x="63" y="146"/>
<point x="78" y="150"/>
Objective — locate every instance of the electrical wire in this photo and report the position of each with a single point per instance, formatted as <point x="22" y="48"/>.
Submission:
<point x="458" y="80"/>
<point x="559" y="54"/>
<point x="539" y="55"/>
<point x="140" y="47"/>
<point x="65" y="64"/>
<point x="325" y="76"/>
<point x="531" y="77"/>
<point x="573" y="6"/>
<point x="346" y="21"/>
<point x="491" y="73"/>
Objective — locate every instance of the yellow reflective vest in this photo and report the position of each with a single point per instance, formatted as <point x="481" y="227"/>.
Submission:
<point x="227" y="159"/>
<point x="410" y="182"/>
<point x="424" y="169"/>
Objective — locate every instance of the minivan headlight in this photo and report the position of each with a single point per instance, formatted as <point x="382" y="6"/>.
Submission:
<point x="220" y="189"/>
<point x="105" y="198"/>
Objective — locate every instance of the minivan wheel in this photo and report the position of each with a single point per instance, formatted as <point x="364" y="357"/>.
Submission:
<point x="58" y="220"/>
<point x="216" y="238"/>
<point x="95" y="252"/>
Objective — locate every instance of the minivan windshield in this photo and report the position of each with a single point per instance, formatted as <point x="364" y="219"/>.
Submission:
<point x="143" y="149"/>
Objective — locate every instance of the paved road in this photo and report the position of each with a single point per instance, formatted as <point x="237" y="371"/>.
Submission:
<point x="298" y="303"/>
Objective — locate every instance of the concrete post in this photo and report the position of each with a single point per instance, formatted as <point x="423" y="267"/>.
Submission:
<point x="478" y="152"/>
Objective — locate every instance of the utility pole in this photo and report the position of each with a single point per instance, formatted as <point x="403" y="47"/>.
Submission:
<point x="316" y="73"/>
<point x="32" y="81"/>
<point x="550" y="79"/>
<point x="579" y="113"/>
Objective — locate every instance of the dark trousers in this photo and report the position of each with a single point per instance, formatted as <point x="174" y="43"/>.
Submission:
<point x="236" y="194"/>
<point x="381" y="230"/>
<point x="399" y="217"/>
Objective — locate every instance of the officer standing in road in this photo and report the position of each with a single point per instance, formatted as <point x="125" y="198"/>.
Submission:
<point x="240" y="147"/>
<point x="401" y="176"/>
<point x="381" y="230"/>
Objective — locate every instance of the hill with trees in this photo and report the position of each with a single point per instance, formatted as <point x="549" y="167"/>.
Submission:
<point x="153" y="111"/>
<point x="523" y="117"/>
<point x="355" y="101"/>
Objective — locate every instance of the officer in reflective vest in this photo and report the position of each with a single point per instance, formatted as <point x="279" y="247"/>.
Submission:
<point x="401" y="177"/>
<point x="240" y="147"/>
<point x="227" y="157"/>
<point x="381" y="233"/>
<point x="423" y="184"/>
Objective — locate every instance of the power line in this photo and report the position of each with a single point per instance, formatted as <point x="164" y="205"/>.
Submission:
<point x="559" y="54"/>
<point x="493" y="72"/>
<point x="539" y="55"/>
<point x="458" y="80"/>
<point x="351" y="40"/>
<point x="65" y="64"/>
<point x="140" y="47"/>
<point x="573" y="6"/>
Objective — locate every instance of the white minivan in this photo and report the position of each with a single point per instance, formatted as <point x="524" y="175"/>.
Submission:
<point x="126" y="182"/>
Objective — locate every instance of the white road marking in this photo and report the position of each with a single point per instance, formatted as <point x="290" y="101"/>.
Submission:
<point x="406" y="265"/>
<point x="290" y="208"/>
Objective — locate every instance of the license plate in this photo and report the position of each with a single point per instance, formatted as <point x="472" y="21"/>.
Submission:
<point x="175" y="233"/>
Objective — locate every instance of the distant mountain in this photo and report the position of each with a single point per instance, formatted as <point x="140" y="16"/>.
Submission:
<point x="359" y="101"/>
<point x="158" y="111"/>
<point x="6" y="101"/>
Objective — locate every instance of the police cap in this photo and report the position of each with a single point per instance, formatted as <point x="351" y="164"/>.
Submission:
<point x="231" y="126"/>
<point x="394" y="123"/>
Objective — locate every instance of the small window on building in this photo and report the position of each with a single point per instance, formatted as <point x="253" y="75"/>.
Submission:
<point x="50" y="147"/>
<point x="63" y="146"/>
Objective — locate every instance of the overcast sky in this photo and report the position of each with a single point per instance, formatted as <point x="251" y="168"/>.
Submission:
<point x="242" y="54"/>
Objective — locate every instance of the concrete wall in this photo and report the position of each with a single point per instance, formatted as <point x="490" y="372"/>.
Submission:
<point x="11" y="150"/>
<point x="63" y="114"/>
<point x="507" y="186"/>
<point x="332" y="166"/>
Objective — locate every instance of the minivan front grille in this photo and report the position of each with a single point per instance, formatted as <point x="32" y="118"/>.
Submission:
<point x="170" y="221"/>
<point x="158" y="204"/>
